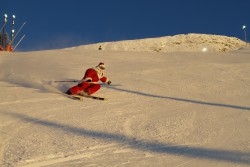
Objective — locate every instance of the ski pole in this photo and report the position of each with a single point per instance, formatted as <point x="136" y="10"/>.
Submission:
<point x="19" y="42"/>
<point x="67" y="81"/>
<point x="77" y="81"/>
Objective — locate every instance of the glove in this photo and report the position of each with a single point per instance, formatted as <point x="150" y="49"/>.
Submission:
<point x="109" y="82"/>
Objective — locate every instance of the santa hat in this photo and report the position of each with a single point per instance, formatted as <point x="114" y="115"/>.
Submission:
<point x="101" y="65"/>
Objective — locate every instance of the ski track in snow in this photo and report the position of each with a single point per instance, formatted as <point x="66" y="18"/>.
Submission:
<point x="29" y="101"/>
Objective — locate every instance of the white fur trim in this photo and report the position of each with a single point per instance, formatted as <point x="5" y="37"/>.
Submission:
<point x="87" y="79"/>
<point x="102" y="65"/>
<point x="84" y="80"/>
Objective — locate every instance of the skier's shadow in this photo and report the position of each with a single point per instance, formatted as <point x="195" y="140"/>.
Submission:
<point x="176" y="98"/>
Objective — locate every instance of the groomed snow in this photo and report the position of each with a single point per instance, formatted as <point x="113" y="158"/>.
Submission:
<point x="188" y="108"/>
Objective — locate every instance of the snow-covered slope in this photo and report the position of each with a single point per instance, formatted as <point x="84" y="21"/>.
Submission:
<point x="163" y="109"/>
<point x="177" y="43"/>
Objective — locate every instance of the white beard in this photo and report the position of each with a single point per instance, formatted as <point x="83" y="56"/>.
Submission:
<point x="99" y="72"/>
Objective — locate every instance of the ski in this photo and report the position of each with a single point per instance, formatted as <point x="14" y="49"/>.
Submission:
<point x="93" y="97"/>
<point x="74" y="97"/>
<point x="81" y="96"/>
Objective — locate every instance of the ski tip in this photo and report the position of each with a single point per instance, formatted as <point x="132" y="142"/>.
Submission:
<point x="99" y="98"/>
<point x="78" y="97"/>
<point x="74" y="97"/>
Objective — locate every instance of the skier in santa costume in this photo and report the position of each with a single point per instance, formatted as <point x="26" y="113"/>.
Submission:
<point x="89" y="83"/>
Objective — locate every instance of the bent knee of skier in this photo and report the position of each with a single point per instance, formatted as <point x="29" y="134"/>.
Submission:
<point x="94" y="88"/>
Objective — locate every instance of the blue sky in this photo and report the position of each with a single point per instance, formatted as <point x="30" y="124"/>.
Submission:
<point x="52" y="24"/>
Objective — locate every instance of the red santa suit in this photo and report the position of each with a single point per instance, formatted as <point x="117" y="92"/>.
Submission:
<point x="89" y="83"/>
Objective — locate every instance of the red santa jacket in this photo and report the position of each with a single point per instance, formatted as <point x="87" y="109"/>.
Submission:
<point x="95" y="74"/>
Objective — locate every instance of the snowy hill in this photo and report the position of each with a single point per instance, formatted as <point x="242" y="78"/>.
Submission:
<point x="177" y="43"/>
<point x="163" y="109"/>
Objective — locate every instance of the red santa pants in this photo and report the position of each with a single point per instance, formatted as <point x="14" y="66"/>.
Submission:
<point x="84" y="86"/>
